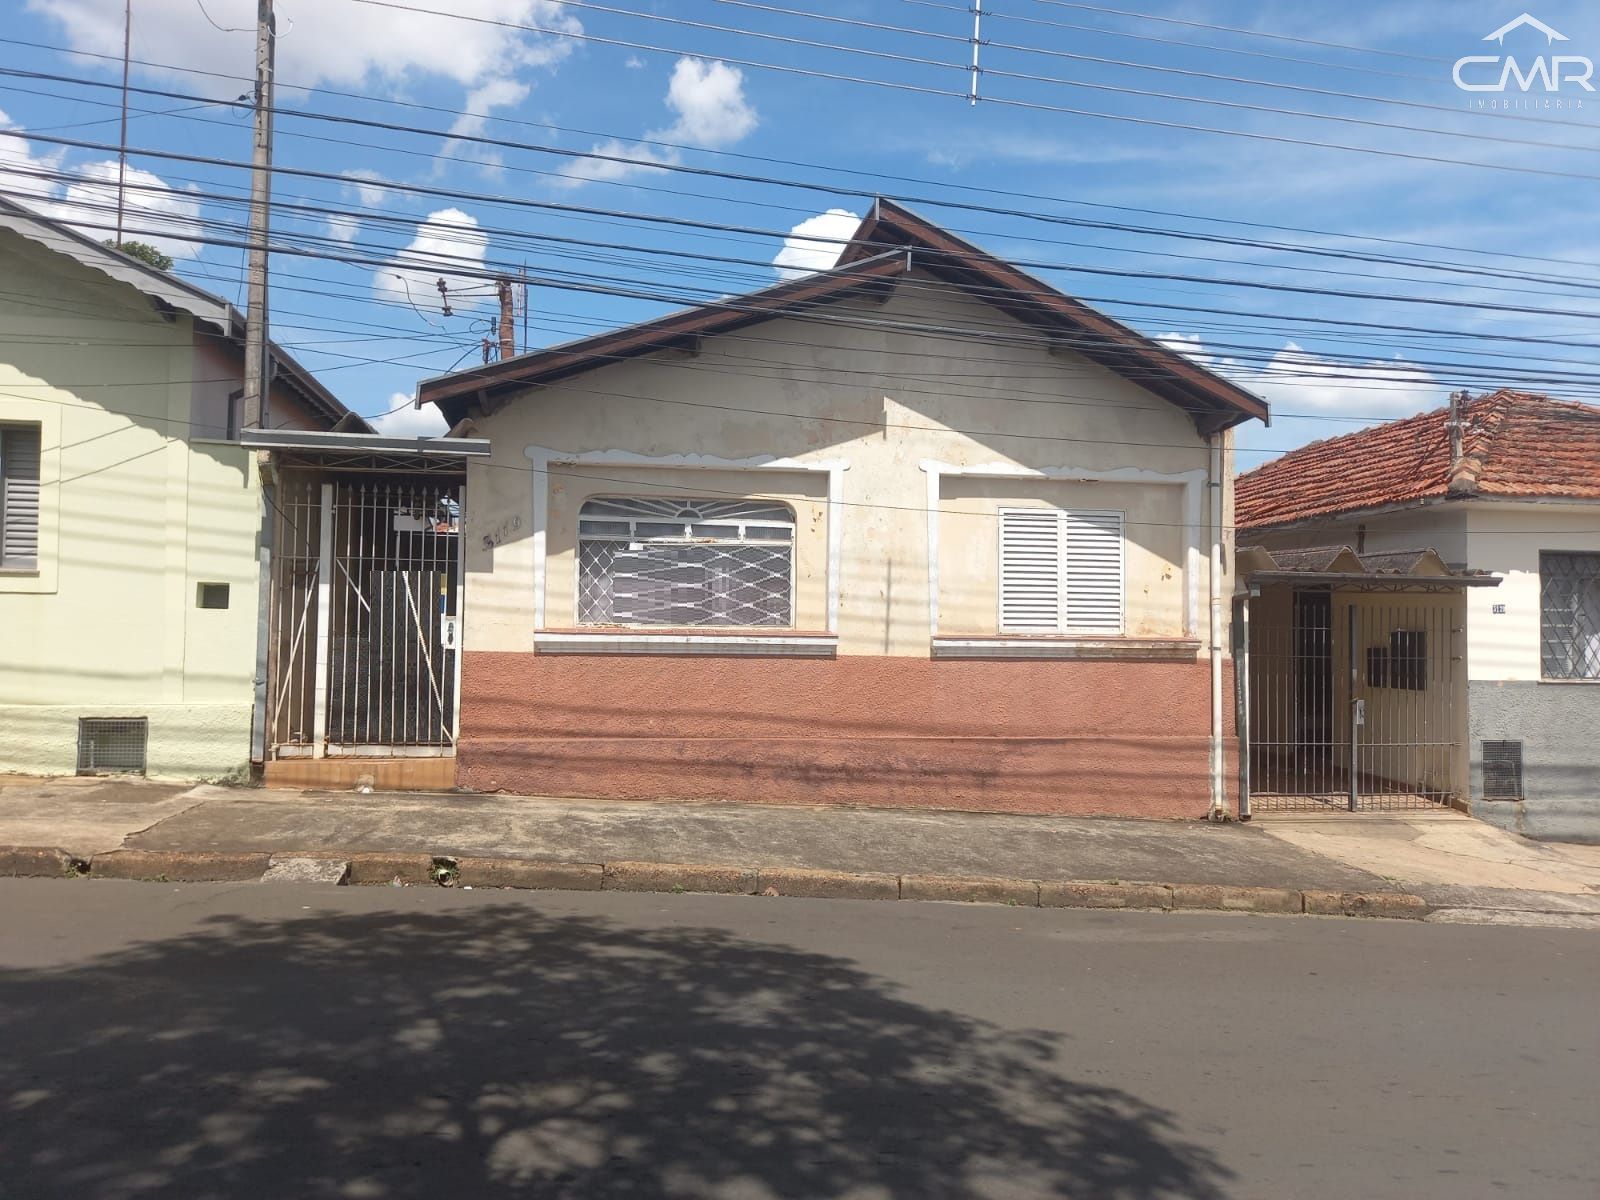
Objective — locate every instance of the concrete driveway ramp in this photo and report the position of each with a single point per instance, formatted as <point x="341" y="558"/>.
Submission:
<point x="307" y="870"/>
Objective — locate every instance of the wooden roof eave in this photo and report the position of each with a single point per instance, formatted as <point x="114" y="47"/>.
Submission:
<point x="453" y="393"/>
<point x="1211" y="402"/>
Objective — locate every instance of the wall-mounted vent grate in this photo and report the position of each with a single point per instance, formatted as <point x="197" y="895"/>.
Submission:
<point x="1502" y="770"/>
<point x="112" y="744"/>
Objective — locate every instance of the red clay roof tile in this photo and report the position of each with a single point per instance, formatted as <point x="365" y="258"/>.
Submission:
<point x="1514" y="444"/>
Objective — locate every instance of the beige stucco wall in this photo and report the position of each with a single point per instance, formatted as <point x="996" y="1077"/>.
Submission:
<point x="134" y="517"/>
<point x="879" y="403"/>
<point x="1506" y="538"/>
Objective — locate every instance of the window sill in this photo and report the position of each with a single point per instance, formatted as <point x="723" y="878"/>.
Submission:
<point x="1082" y="649"/>
<point x="1569" y="682"/>
<point x="785" y="644"/>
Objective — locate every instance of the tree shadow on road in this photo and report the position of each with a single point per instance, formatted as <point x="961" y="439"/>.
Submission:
<point x="501" y="1051"/>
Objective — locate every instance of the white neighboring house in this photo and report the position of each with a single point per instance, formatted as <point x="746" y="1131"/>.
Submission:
<point x="1507" y="483"/>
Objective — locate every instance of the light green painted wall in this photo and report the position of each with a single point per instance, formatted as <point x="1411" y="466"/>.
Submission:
<point x="134" y="516"/>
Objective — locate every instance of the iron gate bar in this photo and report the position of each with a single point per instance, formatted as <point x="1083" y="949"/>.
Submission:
<point x="1395" y="742"/>
<point x="360" y="599"/>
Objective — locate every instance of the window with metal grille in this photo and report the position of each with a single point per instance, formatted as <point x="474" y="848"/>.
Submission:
<point x="1502" y="770"/>
<point x="1061" y="572"/>
<point x="19" y="497"/>
<point x="668" y="562"/>
<point x="112" y="744"/>
<point x="1569" y="615"/>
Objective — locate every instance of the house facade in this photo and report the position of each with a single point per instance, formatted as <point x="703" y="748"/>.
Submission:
<point x="1507" y="483"/>
<point x="129" y="585"/>
<point x="915" y="531"/>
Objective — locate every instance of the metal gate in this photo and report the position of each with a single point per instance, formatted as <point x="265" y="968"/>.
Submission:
<point x="364" y="617"/>
<point x="1351" y="700"/>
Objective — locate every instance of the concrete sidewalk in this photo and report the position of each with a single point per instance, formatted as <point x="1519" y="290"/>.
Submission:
<point x="1450" y="860"/>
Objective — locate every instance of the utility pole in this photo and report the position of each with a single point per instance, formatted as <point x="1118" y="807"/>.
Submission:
<point x="508" y="318"/>
<point x="122" y="140"/>
<point x="257" y="367"/>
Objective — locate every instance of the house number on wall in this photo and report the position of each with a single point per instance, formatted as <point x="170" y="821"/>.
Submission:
<point x="501" y="532"/>
<point x="1498" y="610"/>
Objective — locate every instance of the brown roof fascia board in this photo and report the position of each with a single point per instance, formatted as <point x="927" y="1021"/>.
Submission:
<point x="1036" y="302"/>
<point x="677" y="328"/>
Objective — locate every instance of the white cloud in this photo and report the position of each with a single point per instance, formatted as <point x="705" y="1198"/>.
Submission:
<point x="480" y="102"/>
<point x="342" y="228"/>
<point x="22" y="172"/>
<point x="711" y="113"/>
<point x="341" y="43"/>
<point x="367" y="186"/>
<point x="153" y="211"/>
<point x="408" y="421"/>
<point x="815" y="243"/>
<point x="448" y="241"/>
<point x="1299" y="381"/>
<point x="709" y="100"/>
<point x="634" y="63"/>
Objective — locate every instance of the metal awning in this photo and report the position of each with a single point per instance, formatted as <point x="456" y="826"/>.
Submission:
<point x="366" y="451"/>
<point x="1342" y="567"/>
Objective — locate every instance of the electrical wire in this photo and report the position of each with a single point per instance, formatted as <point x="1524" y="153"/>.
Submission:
<point x="1037" y="198"/>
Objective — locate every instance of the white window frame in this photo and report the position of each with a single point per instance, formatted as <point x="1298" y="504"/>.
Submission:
<point x="544" y="461"/>
<point x="688" y="538"/>
<point x="8" y="429"/>
<point x="1544" y="674"/>
<point x="1064" y="626"/>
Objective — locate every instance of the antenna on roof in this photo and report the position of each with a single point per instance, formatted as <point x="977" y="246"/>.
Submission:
<point x="977" y="40"/>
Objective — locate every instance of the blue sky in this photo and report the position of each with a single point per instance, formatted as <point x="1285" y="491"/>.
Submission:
<point x="1522" y="241"/>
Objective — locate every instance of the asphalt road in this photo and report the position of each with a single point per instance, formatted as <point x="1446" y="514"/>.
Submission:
<point x="227" y="1041"/>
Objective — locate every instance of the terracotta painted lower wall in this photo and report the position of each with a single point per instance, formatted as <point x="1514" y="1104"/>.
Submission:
<point x="1122" y="738"/>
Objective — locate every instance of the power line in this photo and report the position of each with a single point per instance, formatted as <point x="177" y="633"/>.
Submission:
<point x="1207" y="281"/>
<point x="1036" y="106"/>
<point x="1543" y="292"/>
<point x="1234" y="29"/>
<point x="830" y="188"/>
<point x="584" y="282"/>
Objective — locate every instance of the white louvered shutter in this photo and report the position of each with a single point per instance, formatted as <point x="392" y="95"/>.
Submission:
<point x="19" y="495"/>
<point x="1094" y="568"/>
<point x="1030" y="570"/>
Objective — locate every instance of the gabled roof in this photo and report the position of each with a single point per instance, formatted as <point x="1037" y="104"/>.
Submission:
<point x="1514" y="444"/>
<point x="890" y="241"/>
<point x="169" y="293"/>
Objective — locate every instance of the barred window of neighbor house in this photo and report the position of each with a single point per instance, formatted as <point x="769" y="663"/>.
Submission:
<point x="683" y="563"/>
<point x="1569" y="615"/>
<point x="19" y="497"/>
<point x="1061" y="572"/>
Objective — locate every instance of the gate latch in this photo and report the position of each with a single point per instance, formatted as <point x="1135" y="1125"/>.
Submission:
<point x="1360" y="712"/>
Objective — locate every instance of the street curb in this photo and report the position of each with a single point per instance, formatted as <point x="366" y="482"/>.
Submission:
<point x="1224" y="898"/>
<point x="826" y="885"/>
<point x="39" y="861"/>
<point x="378" y="868"/>
<point x="680" y="877"/>
<point x="179" y="866"/>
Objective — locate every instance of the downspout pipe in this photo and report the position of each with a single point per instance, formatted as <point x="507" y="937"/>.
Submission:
<point x="1214" y="485"/>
